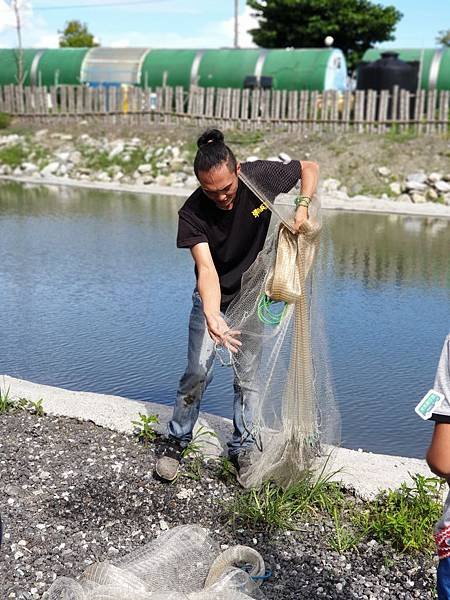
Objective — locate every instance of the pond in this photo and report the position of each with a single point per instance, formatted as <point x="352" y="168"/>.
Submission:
<point x="95" y="297"/>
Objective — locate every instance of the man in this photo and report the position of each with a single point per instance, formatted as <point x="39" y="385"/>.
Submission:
<point x="224" y="225"/>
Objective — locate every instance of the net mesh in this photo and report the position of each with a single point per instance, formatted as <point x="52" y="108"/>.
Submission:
<point x="184" y="563"/>
<point x="282" y="365"/>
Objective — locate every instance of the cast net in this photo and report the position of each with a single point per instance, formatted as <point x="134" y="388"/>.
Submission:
<point x="282" y="366"/>
<point x="184" y="563"/>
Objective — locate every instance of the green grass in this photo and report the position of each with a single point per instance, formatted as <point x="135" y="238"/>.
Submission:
<point x="13" y="155"/>
<point x="7" y="404"/>
<point x="100" y="161"/>
<point x="279" y="508"/>
<point x="404" y="517"/>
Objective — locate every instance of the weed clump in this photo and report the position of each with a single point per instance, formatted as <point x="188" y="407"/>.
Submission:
<point x="5" y="120"/>
<point x="405" y="517"/>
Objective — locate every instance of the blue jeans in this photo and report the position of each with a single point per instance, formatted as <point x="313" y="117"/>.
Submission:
<point x="198" y="376"/>
<point x="443" y="579"/>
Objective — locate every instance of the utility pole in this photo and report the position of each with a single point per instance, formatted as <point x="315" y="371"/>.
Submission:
<point x="236" y="23"/>
<point x="15" y="5"/>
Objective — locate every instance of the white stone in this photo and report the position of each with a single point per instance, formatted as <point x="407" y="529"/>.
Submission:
<point x="418" y="198"/>
<point x="442" y="186"/>
<point x="117" y="149"/>
<point x="339" y="195"/>
<point x="75" y="157"/>
<point x="446" y="198"/>
<point x="404" y="198"/>
<point x="50" y="169"/>
<point x="63" y="156"/>
<point x="41" y="133"/>
<point x="191" y="182"/>
<point x="144" y="169"/>
<point x="418" y="177"/>
<point x="433" y="177"/>
<point x="331" y="184"/>
<point x="384" y="171"/>
<point x="17" y="171"/>
<point x="415" y="185"/>
<point x="62" y="170"/>
<point x="432" y="194"/>
<point x="176" y="152"/>
<point x="162" y="180"/>
<point x="163" y="525"/>
<point x="29" y="168"/>
<point x="395" y="188"/>
<point x="118" y="176"/>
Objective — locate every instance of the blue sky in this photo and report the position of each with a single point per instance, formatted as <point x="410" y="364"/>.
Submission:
<point x="184" y="23"/>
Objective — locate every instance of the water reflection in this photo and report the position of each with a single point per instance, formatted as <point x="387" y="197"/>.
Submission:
<point x="95" y="296"/>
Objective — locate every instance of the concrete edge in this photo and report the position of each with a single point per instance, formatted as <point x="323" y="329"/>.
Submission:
<point x="364" y="473"/>
<point x="354" y="204"/>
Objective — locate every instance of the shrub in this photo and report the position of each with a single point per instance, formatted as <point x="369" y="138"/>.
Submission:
<point x="5" y="120"/>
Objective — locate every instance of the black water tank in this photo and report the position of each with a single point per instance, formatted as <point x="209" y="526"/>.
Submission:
<point x="386" y="72"/>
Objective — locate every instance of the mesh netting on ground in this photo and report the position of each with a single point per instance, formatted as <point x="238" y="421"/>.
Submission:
<point x="282" y="365"/>
<point x="184" y="563"/>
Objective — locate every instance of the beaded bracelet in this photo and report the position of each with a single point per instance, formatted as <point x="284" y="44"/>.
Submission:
<point x="302" y="201"/>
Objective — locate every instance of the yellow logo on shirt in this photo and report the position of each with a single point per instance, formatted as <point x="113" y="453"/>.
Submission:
<point x="257" y="211"/>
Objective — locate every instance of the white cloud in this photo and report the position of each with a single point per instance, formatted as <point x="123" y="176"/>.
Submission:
<point x="212" y="35"/>
<point x="246" y="21"/>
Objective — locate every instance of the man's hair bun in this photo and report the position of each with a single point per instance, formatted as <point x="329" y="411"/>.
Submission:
<point x="210" y="136"/>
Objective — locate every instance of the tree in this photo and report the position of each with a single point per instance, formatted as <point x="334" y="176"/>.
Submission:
<point x="76" y="35"/>
<point x="443" y="37"/>
<point x="355" y="25"/>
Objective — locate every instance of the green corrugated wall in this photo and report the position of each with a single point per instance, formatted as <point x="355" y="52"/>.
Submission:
<point x="60" y="66"/>
<point x="8" y="65"/>
<point x="176" y="63"/>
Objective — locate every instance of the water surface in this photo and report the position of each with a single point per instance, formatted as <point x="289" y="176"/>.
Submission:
<point x="95" y="296"/>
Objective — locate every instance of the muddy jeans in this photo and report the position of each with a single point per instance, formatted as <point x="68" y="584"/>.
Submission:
<point x="197" y="377"/>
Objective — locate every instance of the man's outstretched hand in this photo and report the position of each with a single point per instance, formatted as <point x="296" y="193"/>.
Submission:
<point x="221" y="334"/>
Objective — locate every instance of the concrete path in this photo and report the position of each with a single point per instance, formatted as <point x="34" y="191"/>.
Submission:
<point x="364" y="472"/>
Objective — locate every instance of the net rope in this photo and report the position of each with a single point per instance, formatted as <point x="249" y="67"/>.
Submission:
<point x="183" y="563"/>
<point x="282" y="366"/>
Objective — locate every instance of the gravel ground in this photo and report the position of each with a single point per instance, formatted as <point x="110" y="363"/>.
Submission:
<point x="73" y="493"/>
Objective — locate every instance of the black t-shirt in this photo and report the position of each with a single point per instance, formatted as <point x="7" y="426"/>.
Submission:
<point x="235" y="236"/>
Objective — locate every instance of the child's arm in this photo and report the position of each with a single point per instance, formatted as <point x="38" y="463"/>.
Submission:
<point x="438" y="455"/>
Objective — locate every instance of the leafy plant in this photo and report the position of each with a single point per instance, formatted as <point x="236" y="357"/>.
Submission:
<point x="36" y="407"/>
<point x="194" y="468"/>
<point x="195" y="446"/>
<point x="225" y="469"/>
<point x="144" y="428"/>
<point x="406" y="516"/>
<point x="5" y="120"/>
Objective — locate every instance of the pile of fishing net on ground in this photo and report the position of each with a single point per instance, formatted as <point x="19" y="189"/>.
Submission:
<point x="184" y="563"/>
<point x="283" y="362"/>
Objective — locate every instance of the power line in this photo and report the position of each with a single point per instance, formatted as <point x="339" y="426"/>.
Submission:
<point x="106" y="5"/>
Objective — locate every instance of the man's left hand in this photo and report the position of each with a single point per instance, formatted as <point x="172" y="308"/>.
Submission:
<point x="301" y="216"/>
